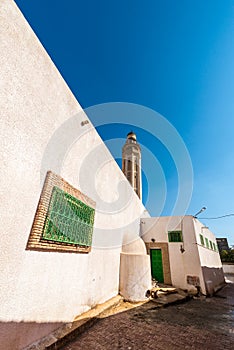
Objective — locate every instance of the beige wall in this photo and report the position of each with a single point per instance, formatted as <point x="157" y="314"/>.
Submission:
<point x="44" y="289"/>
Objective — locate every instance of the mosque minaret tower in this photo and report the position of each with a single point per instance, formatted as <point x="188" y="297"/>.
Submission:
<point x="131" y="162"/>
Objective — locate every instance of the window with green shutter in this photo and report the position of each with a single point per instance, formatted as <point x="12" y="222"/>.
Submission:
<point x="68" y="220"/>
<point x="64" y="219"/>
<point x="207" y="242"/>
<point x="175" y="236"/>
<point x="211" y="246"/>
<point x="202" y="239"/>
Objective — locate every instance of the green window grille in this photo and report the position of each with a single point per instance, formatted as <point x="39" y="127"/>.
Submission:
<point x="68" y="220"/>
<point x="175" y="236"/>
<point x="202" y="239"/>
<point x="207" y="242"/>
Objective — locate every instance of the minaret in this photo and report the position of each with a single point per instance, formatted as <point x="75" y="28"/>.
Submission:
<point x="131" y="162"/>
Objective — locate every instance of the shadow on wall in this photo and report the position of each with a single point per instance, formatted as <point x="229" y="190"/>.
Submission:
<point x="18" y="335"/>
<point x="214" y="279"/>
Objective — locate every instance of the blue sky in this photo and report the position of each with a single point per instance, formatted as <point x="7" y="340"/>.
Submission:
<point x="175" y="57"/>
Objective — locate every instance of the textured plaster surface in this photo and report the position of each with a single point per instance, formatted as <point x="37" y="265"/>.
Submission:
<point x="40" y="288"/>
<point x="135" y="276"/>
<point x="208" y="257"/>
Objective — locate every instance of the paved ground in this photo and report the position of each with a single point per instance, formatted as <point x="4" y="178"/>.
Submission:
<point x="197" y="324"/>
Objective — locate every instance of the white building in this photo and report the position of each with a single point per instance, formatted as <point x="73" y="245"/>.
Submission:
<point x="183" y="253"/>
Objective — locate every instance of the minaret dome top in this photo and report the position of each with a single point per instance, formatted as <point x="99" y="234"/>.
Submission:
<point x="131" y="136"/>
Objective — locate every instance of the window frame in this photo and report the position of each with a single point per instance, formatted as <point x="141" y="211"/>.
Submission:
<point x="207" y="242"/>
<point x="202" y="240"/>
<point x="36" y="240"/>
<point x="170" y="234"/>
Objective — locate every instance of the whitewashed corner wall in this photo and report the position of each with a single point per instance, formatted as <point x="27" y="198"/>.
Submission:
<point x="210" y="261"/>
<point x="41" y="290"/>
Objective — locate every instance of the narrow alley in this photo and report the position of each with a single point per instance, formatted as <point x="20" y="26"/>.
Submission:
<point x="204" y="323"/>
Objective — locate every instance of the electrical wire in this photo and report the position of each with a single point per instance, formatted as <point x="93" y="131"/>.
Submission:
<point x="218" y="217"/>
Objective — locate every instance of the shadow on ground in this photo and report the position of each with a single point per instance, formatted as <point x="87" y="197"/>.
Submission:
<point x="201" y="323"/>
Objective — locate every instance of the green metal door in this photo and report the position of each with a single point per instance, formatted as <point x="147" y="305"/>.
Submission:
<point x="156" y="264"/>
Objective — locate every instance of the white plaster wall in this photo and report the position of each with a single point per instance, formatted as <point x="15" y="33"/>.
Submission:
<point x="135" y="273"/>
<point x="35" y="110"/>
<point x="189" y="260"/>
<point x="134" y="282"/>
<point x="154" y="227"/>
<point x="228" y="268"/>
<point x="208" y="257"/>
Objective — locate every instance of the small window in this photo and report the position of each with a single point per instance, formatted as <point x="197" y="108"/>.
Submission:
<point x="175" y="236"/>
<point x="207" y="243"/>
<point x="202" y="239"/>
<point x="129" y="165"/>
<point x="211" y="246"/>
<point x="214" y="247"/>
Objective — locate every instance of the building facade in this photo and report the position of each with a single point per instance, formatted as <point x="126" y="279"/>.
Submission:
<point x="183" y="253"/>
<point x="131" y="163"/>
<point x="222" y="244"/>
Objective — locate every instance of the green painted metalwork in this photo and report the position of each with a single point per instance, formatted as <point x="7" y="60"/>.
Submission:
<point x="68" y="220"/>
<point x="175" y="236"/>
